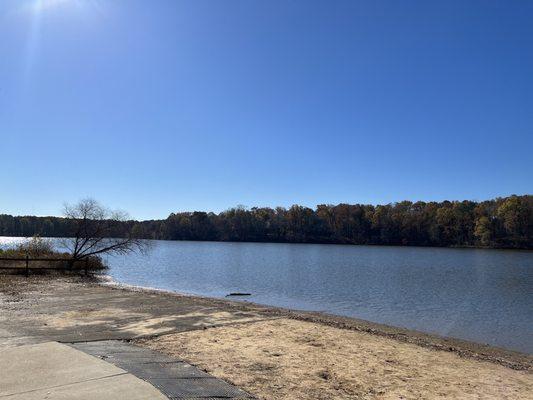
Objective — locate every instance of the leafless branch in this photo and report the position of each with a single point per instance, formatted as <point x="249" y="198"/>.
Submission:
<point x="94" y="229"/>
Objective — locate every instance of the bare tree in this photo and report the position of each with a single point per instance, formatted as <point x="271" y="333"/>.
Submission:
<point x="96" y="230"/>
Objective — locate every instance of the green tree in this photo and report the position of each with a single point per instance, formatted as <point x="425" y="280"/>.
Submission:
<point x="483" y="231"/>
<point x="515" y="217"/>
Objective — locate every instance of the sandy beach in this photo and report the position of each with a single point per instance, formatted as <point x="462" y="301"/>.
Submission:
<point x="270" y="352"/>
<point x="290" y="359"/>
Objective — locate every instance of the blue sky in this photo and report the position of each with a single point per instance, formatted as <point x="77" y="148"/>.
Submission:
<point x="161" y="106"/>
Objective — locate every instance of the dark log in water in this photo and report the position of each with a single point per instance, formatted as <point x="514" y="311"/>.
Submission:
<point x="238" y="294"/>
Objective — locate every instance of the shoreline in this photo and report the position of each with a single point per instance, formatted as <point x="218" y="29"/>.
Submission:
<point x="270" y="352"/>
<point x="467" y="349"/>
<point x="455" y="247"/>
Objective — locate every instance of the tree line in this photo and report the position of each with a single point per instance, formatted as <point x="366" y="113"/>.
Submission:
<point x="497" y="223"/>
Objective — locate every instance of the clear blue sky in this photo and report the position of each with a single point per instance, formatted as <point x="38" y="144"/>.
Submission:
<point x="165" y="105"/>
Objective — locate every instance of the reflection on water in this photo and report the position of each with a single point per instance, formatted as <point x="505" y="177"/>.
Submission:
<point x="480" y="295"/>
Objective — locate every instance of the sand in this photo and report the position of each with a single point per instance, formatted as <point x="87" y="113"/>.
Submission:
<point x="291" y="359"/>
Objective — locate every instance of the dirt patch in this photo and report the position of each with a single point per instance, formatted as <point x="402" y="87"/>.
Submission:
<point x="290" y="359"/>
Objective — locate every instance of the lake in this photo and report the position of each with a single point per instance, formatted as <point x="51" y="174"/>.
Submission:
<point x="484" y="296"/>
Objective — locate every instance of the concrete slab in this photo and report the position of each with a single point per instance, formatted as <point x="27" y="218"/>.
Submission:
<point x="47" y="365"/>
<point x="96" y="320"/>
<point x="57" y="371"/>
<point x="86" y="312"/>
<point x="121" y="387"/>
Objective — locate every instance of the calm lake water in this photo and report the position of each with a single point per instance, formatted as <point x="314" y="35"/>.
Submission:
<point x="481" y="295"/>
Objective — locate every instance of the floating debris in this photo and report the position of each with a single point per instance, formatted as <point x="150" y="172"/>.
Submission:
<point x="238" y="294"/>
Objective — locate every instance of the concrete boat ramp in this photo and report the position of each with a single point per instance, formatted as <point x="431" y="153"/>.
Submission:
<point x="57" y="371"/>
<point x="104" y="370"/>
<point x="73" y="340"/>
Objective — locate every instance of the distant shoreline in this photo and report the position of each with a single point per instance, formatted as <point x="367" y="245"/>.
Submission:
<point x="502" y="222"/>
<point x="465" y="247"/>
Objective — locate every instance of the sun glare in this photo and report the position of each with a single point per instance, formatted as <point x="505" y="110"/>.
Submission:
<point x="40" y="5"/>
<point x="37" y="10"/>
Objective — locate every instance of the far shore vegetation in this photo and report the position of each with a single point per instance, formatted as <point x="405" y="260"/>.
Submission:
<point x="498" y="223"/>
